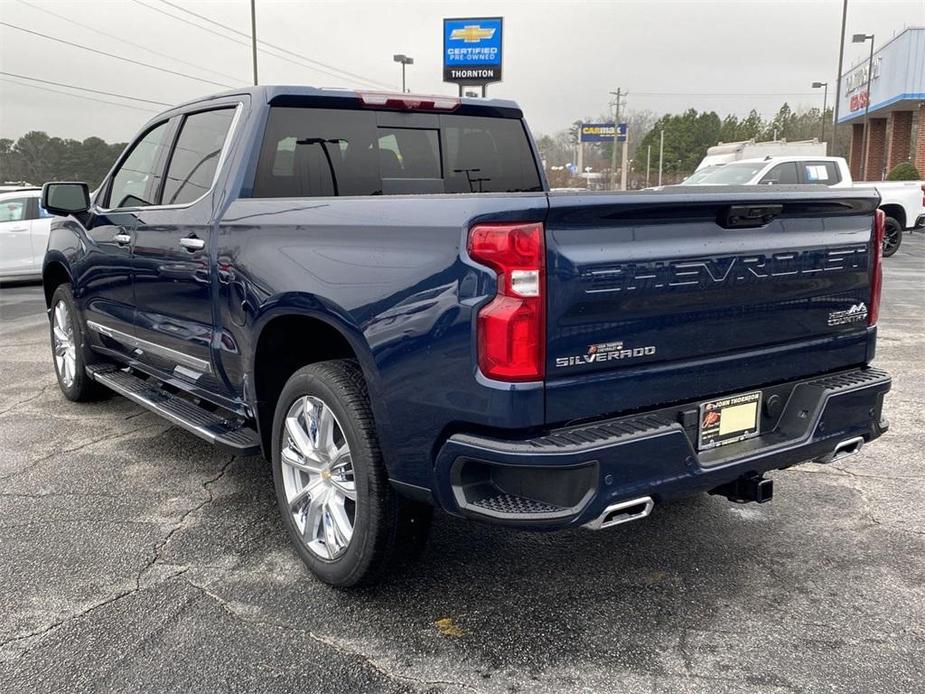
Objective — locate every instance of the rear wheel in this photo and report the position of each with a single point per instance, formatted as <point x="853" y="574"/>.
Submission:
<point x="346" y="521"/>
<point x="69" y="349"/>
<point x="892" y="236"/>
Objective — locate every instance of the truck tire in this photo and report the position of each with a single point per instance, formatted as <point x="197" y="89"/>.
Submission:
<point x="69" y="350"/>
<point x="892" y="236"/>
<point x="346" y="521"/>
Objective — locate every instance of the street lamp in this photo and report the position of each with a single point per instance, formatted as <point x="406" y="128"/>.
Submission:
<point x="825" y="99"/>
<point x="861" y="38"/>
<point x="404" y="60"/>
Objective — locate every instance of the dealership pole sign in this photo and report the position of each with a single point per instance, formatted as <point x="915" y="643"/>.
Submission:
<point x="602" y="132"/>
<point x="472" y="50"/>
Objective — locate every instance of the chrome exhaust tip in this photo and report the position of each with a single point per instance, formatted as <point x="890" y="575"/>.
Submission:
<point x="624" y="512"/>
<point x="846" y="448"/>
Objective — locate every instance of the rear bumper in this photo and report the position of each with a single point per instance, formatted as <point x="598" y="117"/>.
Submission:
<point x="570" y="476"/>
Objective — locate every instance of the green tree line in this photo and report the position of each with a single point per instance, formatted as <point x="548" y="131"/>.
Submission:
<point x="36" y="158"/>
<point x="687" y="137"/>
<point x="689" y="134"/>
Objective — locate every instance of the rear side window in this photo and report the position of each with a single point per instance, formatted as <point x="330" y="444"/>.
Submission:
<point x="782" y="174"/>
<point x="488" y="155"/>
<point x="821" y="172"/>
<point x="318" y="153"/>
<point x="14" y="209"/>
<point x="310" y="152"/>
<point x="194" y="160"/>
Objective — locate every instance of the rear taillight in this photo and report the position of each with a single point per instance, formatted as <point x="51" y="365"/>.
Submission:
<point x="511" y="331"/>
<point x="876" y="276"/>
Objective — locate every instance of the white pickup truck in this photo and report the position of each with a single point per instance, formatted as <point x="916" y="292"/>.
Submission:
<point x="903" y="202"/>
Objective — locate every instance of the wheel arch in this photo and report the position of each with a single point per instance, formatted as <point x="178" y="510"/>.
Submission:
<point x="896" y="211"/>
<point x="55" y="272"/>
<point x="288" y="337"/>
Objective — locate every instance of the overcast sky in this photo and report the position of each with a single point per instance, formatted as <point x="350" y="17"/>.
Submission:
<point x="561" y="58"/>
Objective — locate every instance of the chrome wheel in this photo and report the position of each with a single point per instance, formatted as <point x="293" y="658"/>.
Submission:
<point x="318" y="477"/>
<point x="64" y="348"/>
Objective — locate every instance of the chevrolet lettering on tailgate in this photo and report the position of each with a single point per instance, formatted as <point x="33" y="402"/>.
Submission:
<point x="703" y="273"/>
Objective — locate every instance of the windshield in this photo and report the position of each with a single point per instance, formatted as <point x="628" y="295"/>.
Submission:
<point x="697" y="176"/>
<point x="728" y="174"/>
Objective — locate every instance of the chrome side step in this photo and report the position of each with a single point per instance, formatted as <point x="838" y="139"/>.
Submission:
<point x="229" y="435"/>
<point x="624" y="512"/>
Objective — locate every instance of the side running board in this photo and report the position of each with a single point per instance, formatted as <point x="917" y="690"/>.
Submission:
<point x="229" y="435"/>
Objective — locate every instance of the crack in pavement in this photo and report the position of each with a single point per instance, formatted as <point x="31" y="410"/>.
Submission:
<point x="180" y="524"/>
<point x="27" y="400"/>
<point x="150" y="563"/>
<point x="109" y="437"/>
<point x="329" y="643"/>
<point x="24" y="344"/>
<point x="866" y="505"/>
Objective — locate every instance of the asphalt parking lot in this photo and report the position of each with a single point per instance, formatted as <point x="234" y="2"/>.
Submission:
<point x="133" y="557"/>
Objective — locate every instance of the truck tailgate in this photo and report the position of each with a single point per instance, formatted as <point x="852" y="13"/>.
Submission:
<point x="656" y="297"/>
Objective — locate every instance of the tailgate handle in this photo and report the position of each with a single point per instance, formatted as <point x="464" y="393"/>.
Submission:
<point x="746" y="216"/>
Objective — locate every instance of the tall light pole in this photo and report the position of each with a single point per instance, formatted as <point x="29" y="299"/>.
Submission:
<point x="841" y="57"/>
<point x="825" y="101"/>
<point x="254" y="36"/>
<point x="404" y="60"/>
<point x="861" y="38"/>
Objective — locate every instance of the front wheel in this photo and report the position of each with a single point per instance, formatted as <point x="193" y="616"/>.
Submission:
<point x="892" y="236"/>
<point x="341" y="513"/>
<point x="69" y="349"/>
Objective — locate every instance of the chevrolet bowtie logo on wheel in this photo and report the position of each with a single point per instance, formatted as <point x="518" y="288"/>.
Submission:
<point x="472" y="33"/>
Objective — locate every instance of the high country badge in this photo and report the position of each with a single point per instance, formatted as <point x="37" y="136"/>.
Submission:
<point x="855" y="314"/>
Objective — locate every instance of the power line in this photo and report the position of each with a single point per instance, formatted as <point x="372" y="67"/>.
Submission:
<point x="77" y="96"/>
<point x="84" y="89"/>
<point x="129" y="43"/>
<point x="231" y="38"/>
<point x="263" y="48"/>
<point x="270" y="45"/>
<point x="112" y="55"/>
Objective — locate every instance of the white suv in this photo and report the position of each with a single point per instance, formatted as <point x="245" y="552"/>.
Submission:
<point x="24" y="228"/>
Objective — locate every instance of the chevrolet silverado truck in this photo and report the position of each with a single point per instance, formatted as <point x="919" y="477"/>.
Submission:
<point x="380" y="295"/>
<point x="903" y="202"/>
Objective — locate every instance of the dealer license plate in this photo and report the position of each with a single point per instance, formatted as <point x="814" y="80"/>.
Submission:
<point x="729" y="420"/>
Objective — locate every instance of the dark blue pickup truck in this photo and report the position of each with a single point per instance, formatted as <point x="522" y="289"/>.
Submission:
<point x="380" y="294"/>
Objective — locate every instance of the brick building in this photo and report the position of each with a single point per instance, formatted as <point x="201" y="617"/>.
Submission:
<point x="897" y="107"/>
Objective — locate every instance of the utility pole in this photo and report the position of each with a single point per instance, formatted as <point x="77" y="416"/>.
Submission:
<point x="841" y="57"/>
<point x="581" y="153"/>
<point x="661" y="154"/>
<point x="624" y="169"/>
<point x="254" y="36"/>
<point x="616" y="124"/>
<point x="648" y="163"/>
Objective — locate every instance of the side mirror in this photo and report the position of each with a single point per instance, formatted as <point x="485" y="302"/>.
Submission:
<point x="66" y="198"/>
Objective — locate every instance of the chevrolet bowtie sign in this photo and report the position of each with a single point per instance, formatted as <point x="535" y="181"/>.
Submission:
<point x="472" y="50"/>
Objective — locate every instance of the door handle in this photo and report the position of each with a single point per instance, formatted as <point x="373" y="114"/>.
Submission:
<point x="18" y="229"/>
<point x="122" y="238"/>
<point x="192" y="243"/>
